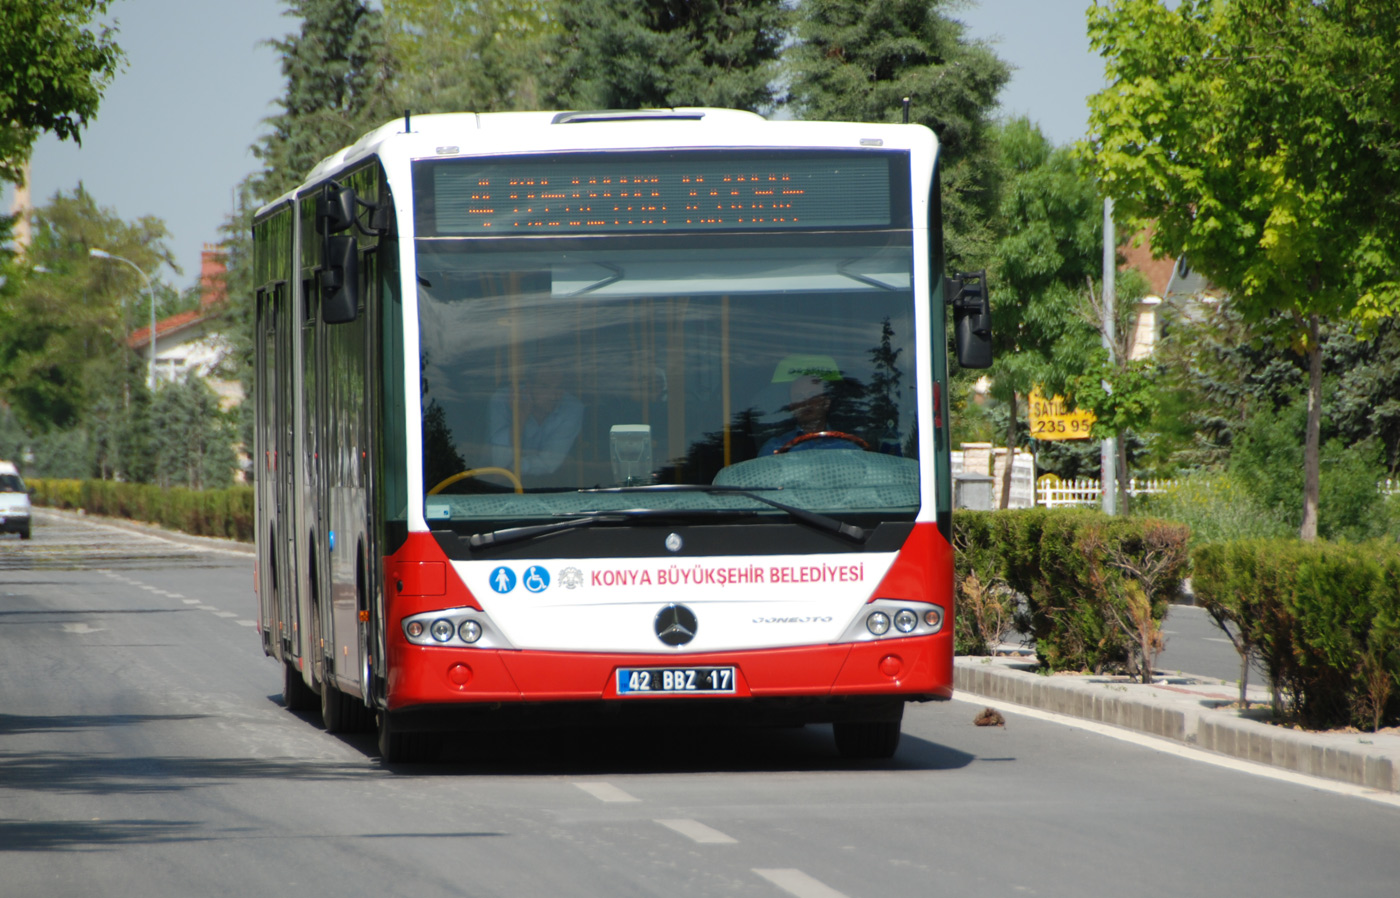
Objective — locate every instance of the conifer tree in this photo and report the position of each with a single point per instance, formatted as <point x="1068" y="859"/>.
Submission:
<point x="664" y="53"/>
<point x="858" y="59"/>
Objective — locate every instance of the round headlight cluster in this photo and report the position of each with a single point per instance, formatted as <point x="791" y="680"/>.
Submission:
<point x="415" y="628"/>
<point x="878" y="623"/>
<point x="905" y="620"/>
<point x="934" y="617"/>
<point x="470" y="631"/>
<point x="442" y="629"/>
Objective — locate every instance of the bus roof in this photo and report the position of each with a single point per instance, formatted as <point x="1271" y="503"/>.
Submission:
<point x="515" y="132"/>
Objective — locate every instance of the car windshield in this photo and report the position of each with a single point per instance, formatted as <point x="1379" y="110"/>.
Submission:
<point x="11" y="483"/>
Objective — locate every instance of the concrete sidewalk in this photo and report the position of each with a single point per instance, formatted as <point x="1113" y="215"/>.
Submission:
<point x="1192" y="710"/>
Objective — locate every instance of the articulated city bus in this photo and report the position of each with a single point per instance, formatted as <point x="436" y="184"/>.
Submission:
<point x="627" y="416"/>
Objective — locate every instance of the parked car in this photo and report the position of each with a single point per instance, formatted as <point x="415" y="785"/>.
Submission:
<point x="14" y="501"/>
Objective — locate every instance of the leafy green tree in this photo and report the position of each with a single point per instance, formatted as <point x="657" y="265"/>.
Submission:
<point x="470" y="55"/>
<point x="64" y="317"/>
<point x="53" y="69"/>
<point x="1050" y="221"/>
<point x="857" y="60"/>
<point x="663" y="53"/>
<point x="1260" y="135"/>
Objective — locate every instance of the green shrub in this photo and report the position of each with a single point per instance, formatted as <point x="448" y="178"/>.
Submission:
<point x="1096" y="588"/>
<point x="226" y="513"/>
<point x="1322" y="618"/>
<point x="1217" y="508"/>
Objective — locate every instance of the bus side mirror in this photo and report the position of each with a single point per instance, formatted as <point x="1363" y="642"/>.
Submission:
<point x="340" y="281"/>
<point x="335" y="208"/>
<point x="972" y="318"/>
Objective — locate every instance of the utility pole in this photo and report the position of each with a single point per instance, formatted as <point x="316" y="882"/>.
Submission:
<point x="1108" y="452"/>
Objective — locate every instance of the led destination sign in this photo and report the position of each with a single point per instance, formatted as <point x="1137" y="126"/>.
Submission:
<point x="637" y="193"/>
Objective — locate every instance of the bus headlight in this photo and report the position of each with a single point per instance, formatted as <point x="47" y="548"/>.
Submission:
<point x="934" y="617"/>
<point x="905" y="620"/>
<point x="414" y="628"/>
<point x="469" y="631"/>
<point x="878" y="623"/>
<point x="442" y="629"/>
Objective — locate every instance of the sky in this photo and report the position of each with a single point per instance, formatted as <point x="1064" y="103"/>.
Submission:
<point x="173" y="132"/>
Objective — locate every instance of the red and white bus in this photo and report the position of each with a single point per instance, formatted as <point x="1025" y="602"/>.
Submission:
<point x="635" y="416"/>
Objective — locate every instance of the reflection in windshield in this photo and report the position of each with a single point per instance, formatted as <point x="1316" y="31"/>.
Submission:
<point x="548" y="372"/>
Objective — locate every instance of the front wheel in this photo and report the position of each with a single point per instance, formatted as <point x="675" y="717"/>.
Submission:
<point x="399" y="747"/>
<point x="866" y="740"/>
<point x="341" y="713"/>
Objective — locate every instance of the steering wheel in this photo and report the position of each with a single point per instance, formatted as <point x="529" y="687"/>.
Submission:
<point x="477" y="472"/>
<point x="819" y="435"/>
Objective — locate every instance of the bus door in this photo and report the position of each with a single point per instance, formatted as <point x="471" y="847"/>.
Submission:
<point x="284" y="454"/>
<point x="314" y="416"/>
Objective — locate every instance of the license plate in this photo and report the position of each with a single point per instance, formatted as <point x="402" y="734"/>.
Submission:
<point x="652" y="680"/>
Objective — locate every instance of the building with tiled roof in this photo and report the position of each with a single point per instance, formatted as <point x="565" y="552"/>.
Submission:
<point x="192" y="341"/>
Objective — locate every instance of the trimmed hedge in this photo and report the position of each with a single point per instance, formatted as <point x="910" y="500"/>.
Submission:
<point x="222" y="513"/>
<point x="1095" y="587"/>
<point x="1323" y="619"/>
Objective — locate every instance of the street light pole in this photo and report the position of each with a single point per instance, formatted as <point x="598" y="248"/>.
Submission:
<point x="151" y="367"/>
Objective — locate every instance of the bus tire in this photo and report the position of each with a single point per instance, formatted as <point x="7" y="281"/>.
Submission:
<point x="866" y="740"/>
<point x="341" y="713"/>
<point x="296" y="695"/>
<point x="399" y="747"/>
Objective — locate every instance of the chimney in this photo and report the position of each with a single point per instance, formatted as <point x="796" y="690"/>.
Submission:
<point x="211" y="275"/>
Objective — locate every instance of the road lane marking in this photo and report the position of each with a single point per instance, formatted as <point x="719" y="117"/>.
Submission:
<point x="797" y="883"/>
<point x="1166" y="746"/>
<point x="246" y="623"/>
<point x="605" y="792"/>
<point x="190" y="601"/>
<point x="82" y="628"/>
<point x="698" y="832"/>
<point x="224" y="614"/>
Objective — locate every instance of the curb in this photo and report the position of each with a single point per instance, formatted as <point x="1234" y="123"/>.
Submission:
<point x="1190" y="718"/>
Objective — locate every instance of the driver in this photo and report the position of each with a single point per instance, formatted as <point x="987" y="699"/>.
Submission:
<point x="809" y="379"/>
<point x="550" y="416"/>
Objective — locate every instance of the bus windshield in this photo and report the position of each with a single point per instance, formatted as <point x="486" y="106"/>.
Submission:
<point x="556" y="368"/>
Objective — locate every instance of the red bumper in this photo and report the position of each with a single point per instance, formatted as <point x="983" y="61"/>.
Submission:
<point x="920" y="667"/>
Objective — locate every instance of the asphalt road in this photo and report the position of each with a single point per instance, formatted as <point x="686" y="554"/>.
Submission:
<point x="144" y="751"/>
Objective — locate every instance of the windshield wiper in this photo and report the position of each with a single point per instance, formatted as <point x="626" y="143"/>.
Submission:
<point x="587" y="519"/>
<point x="802" y="515"/>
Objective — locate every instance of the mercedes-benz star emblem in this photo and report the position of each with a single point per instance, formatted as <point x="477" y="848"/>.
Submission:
<point x="676" y="625"/>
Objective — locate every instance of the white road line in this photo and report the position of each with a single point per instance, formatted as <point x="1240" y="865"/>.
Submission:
<point x="1166" y="746"/>
<point x="190" y="601"/>
<point x="206" y="608"/>
<point x="1217" y="639"/>
<point x="224" y="614"/>
<point x="605" y="792"/>
<point x="795" y="882"/>
<point x="699" y="832"/>
<point x="246" y="623"/>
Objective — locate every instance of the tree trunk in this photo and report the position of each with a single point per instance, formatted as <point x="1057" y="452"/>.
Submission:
<point x="1010" y="456"/>
<point x="1311" y="454"/>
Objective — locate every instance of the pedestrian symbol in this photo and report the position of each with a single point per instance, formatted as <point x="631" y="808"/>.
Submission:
<point x="536" y="578"/>
<point x="503" y="579"/>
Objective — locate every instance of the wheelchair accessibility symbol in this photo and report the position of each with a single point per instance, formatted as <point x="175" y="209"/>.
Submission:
<point x="536" y="579"/>
<point x="503" y="580"/>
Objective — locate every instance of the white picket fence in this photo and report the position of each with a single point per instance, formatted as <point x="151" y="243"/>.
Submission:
<point x="1054" y="493"/>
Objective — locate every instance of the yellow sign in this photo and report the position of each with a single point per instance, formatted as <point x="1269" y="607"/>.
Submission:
<point x="1052" y="420"/>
